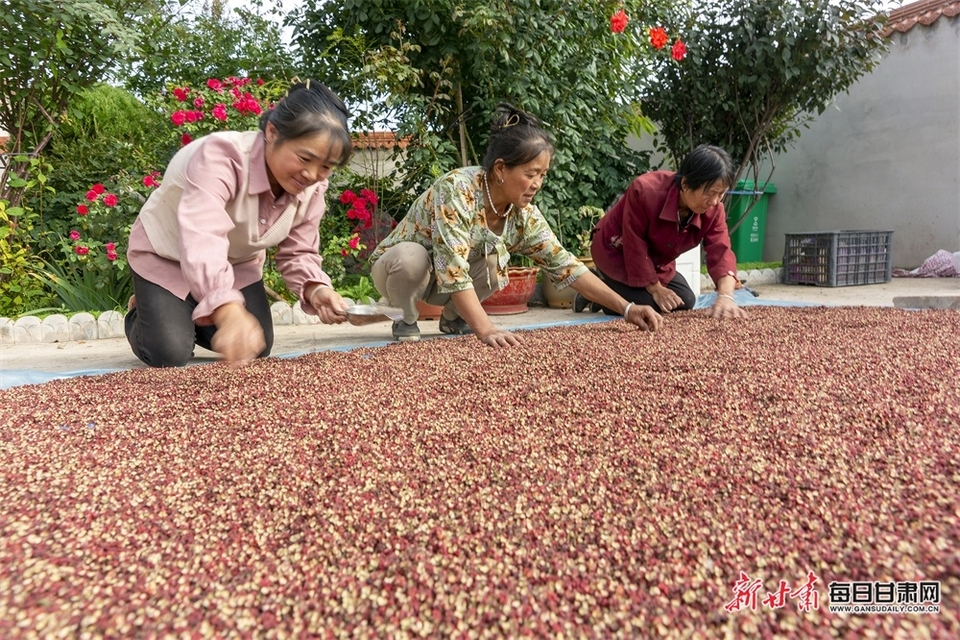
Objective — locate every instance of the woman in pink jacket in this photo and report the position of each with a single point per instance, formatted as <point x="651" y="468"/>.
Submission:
<point x="198" y="246"/>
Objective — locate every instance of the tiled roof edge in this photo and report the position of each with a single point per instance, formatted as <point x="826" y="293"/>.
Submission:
<point x="925" y="13"/>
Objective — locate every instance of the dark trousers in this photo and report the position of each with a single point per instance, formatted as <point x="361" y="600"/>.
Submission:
<point x="160" y="327"/>
<point x="639" y="295"/>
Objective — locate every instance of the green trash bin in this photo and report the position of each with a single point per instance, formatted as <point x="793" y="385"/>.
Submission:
<point x="747" y="239"/>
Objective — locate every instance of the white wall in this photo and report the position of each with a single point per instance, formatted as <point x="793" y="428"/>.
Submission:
<point x="887" y="156"/>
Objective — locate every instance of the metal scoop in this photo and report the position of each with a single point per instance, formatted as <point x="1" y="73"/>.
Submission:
<point x="361" y="314"/>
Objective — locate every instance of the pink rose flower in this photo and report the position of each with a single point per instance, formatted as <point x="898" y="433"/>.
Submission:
<point x="74" y="234"/>
<point x="111" y="247"/>
<point x="110" y="200"/>
<point x="220" y="112"/>
<point x="98" y="188"/>
<point x="198" y="102"/>
<point x="111" y="256"/>
<point x="92" y="195"/>
<point x="215" y="85"/>
<point x="178" y="118"/>
<point x="81" y="250"/>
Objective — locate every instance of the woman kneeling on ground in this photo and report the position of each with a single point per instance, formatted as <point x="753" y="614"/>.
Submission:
<point x="663" y="214"/>
<point x="453" y="247"/>
<point x="198" y="246"/>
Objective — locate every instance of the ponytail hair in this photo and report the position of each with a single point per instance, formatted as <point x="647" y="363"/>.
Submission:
<point x="516" y="137"/>
<point x="310" y="108"/>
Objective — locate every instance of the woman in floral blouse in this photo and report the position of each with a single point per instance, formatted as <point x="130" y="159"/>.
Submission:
<point x="454" y="245"/>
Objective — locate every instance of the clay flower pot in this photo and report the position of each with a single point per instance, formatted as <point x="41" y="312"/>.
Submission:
<point x="429" y="311"/>
<point x="562" y="299"/>
<point x="514" y="297"/>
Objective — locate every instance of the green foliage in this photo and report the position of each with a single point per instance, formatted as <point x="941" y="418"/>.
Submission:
<point x="19" y="288"/>
<point x="440" y="67"/>
<point x="52" y="50"/>
<point x="87" y="263"/>
<point x="106" y="132"/>
<point x="758" y="71"/>
<point x="574" y="231"/>
<point x="201" y="39"/>
<point x="748" y="266"/>
<point x="78" y="287"/>
<point x="358" y="288"/>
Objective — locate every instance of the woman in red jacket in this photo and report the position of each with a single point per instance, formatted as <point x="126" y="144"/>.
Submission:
<point x="662" y="215"/>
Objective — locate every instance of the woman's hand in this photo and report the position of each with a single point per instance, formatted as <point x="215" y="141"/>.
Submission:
<point x="726" y="307"/>
<point x="644" y="317"/>
<point x="665" y="298"/>
<point x="498" y="337"/>
<point x="239" y="336"/>
<point x="330" y="305"/>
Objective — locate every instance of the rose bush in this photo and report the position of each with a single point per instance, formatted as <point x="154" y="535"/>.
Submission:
<point x="228" y="104"/>
<point x="89" y="271"/>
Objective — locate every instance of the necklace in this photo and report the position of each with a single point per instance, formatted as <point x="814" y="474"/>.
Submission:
<point x="486" y="186"/>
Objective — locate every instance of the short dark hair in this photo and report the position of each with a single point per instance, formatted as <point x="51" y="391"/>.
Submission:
<point x="311" y="108"/>
<point x="705" y="165"/>
<point x="516" y="138"/>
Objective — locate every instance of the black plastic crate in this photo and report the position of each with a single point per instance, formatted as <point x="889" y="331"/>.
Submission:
<point x="838" y="258"/>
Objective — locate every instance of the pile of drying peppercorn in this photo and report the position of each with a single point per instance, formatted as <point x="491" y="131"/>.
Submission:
<point x="704" y="481"/>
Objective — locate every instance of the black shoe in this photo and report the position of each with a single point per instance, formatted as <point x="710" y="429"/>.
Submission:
<point x="455" y="327"/>
<point x="580" y="303"/>
<point x="404" y="332"/>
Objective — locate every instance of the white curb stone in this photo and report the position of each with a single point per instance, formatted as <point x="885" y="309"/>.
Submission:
<point x="7" y="333"/>
<point x="83" y="326"/>
<point x="299" y="317"/>
<point x="27" y="329"/>
<point x="110" y="325"/>
<point x="55" y="328"/>
<point x="281" y="312"/>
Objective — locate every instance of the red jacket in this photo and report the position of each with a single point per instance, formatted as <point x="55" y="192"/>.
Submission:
<point x="638" y="240"/>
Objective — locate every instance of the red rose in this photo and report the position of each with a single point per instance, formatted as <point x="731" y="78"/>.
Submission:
<point x="185" y="139"/>
<point x="658" y="37"/>
<point x="111" y="247"/>
<point x="82" y="210"/>
<point x="369" y="195"/>
<point x="220" y="112"/>
<point x="679" y="50"/>
<point x="81" y="250"/>
<point x="347" y="197"/>
<point x="618" y="21"/>
<point x="110" y="200"/>
<point x="111" y="256"/>
<point x="355" y="241"/>
<point x="215" y="85"/>
<point x="181" y="93"/>
<point x="178" y="118"/>
<point x="74" y="234"/>
<point x="98" y="188"/>
<point x="92" y="195"/>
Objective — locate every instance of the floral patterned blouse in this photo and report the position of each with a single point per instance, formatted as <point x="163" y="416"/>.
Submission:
<point x="447" y="219"/>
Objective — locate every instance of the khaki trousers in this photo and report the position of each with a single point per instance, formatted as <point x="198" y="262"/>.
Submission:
<point x="404" y="274"/>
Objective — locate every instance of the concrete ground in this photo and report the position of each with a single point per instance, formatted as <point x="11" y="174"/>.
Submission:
<point x="18" y="361"/>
